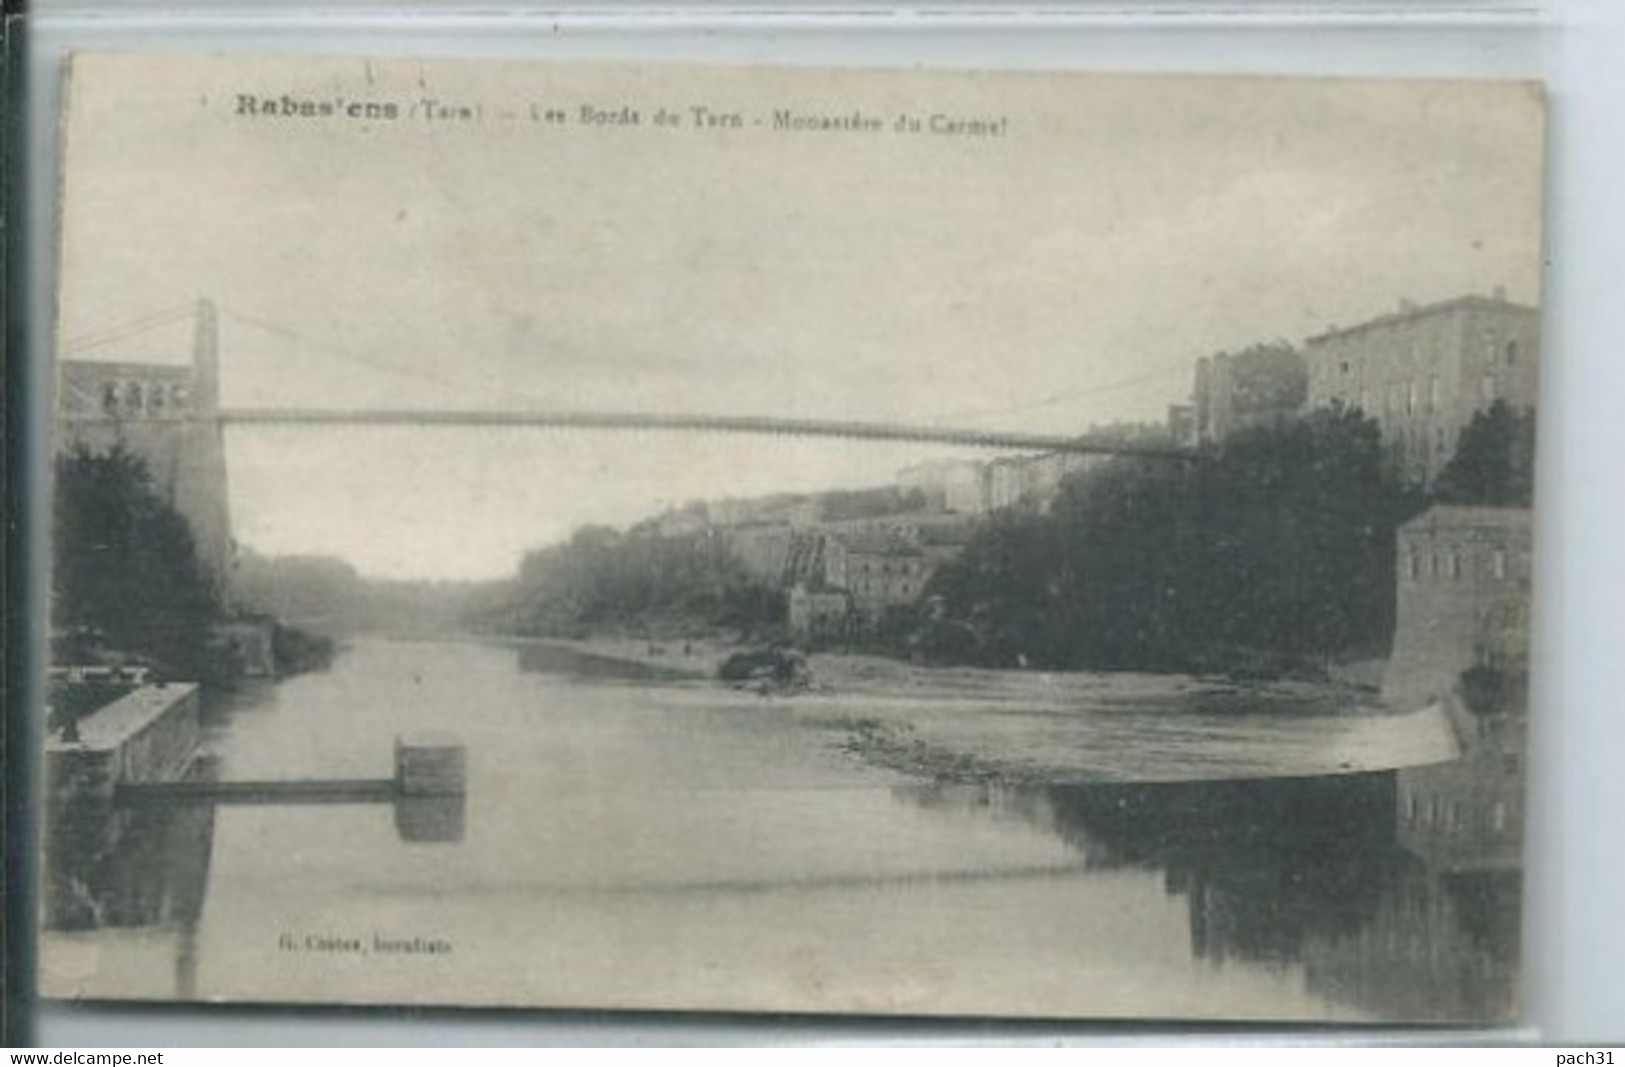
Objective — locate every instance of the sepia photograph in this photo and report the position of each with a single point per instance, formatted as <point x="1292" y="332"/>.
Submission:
<point x="904" y="543"/>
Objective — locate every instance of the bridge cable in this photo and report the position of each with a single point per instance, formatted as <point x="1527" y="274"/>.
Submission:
<point x="107" y="335"/>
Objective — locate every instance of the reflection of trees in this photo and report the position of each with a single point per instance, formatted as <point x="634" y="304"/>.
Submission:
<point x="1299" y="871"/>
<point x="579" y="664"/>
<point x="1264" y="864"/>
<point x="1443" y="947"/>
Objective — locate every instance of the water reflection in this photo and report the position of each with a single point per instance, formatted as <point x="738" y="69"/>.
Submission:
<point x="430" y="820"/>
<point x="766" y="865"/>
<point x="112" y="866"/>
<point x="541" y="657"/>
<point x="1299" y="872"/>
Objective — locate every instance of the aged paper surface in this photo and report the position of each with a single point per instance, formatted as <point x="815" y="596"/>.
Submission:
<point x="1008" y="544"/>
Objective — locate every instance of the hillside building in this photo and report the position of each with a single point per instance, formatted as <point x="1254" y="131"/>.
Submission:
<point x="1261" y="386"/>
<point x="1423" y="372"/>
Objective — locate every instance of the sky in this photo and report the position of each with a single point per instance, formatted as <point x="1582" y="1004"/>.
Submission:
<point x="1066" y="271"/>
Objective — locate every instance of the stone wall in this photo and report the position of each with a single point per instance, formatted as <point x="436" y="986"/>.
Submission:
<point x="1462" y="598"/>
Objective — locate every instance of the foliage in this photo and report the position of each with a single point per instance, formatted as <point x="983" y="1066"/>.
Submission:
<point x="1000" y="588"/>
<point x="1296" y="552"/>
<point x="125" y="565"/>
<point x="328" y="596"/>
<point x="605" y="580"/>
<point x="1276" y="548"/>
<point x="1269" y="378"/>
<point x="296" y="651"/>
<point x="839" y="505"/>
<point x="1494" y="460"/>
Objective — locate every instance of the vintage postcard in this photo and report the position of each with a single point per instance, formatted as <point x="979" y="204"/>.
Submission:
<point x="1036" y="545"/>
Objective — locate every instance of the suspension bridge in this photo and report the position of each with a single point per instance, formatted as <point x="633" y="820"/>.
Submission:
<point x="506" y="416"/>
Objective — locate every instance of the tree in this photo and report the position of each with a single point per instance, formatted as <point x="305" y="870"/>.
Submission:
<point x="1269" y="378"/>
<point x="1494" y="461"/>
<point x="125" y="565"/>
<point x="604" y="579"/>
<point x="1295" y="553"/>
<point x="1123" y="533"/>
<point x="1276" y="547"/>
<point x="1000" y="588"/>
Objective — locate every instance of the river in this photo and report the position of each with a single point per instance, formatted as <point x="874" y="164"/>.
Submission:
<point x="637" y="843"/>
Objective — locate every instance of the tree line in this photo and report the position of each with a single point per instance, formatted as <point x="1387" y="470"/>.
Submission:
<point x="1273" y="552"/>
<point x="128" y="585"/>
<point x="603" y="580"/>
<point x="125" y="572"/>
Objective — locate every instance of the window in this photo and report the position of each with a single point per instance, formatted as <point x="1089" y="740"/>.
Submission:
<point x="1345" y="366"/>
<point x="1498" y="563"/>
<point x="1410" y="398"/>
<point x="1455" y="564"/>
<point x="1488" y="389"/>
<point x="1498" y="817"/>
<point x="1512" y="352"/>
<point x="1433" y="393"/>
<point x="132" y="397"/>
<point x="110" y="398"/>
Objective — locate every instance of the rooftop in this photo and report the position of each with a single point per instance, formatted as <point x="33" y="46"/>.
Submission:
<point x="1412" y="312"/>
<point x="1459" y="516"/>
<point x="85" y="368"/>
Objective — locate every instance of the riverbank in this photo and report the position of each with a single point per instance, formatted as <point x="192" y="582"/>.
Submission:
<point x="861" y="674"/>
<point x="964" y="724"/>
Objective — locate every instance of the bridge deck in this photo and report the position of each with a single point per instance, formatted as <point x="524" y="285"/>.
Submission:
<point x="730" y="424"/>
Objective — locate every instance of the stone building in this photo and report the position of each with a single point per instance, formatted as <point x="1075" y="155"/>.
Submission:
<point x="970" y="488"/>
<point x="957" y="485"/>
<point x="819" y="615"/>
<point x="1462" y="638"/>
<point x="1467" y="815"/>
<point x="1007" y="482"/>
<point x="165" y="413"/>
<point x="1423" y="372"/>
<point x="1462" y="599"/>
<point x="1042" y="475"/>
<point x="879" y="569"/>
<point x="1182" y="425"/>
<point x="1260" y="386"/>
